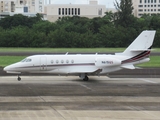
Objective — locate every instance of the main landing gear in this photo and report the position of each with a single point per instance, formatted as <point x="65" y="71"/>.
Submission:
<point x="19" y="78"/>
<point x="84" y="77"/>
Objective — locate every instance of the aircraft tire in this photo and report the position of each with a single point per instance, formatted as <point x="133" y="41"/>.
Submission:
<point x="86" y="78"/>
<point x="19" y="78"/>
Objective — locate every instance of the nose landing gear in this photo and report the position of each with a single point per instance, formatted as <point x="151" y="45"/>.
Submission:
<point x="19" y="78"/>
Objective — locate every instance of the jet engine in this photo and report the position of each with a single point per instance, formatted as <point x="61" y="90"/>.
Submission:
<point x="102" y="62"/>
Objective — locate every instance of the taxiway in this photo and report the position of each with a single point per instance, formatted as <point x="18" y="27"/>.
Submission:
<point x="69" y="98"/>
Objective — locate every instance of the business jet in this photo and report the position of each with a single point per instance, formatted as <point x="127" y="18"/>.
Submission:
<point x="89" y="64"/>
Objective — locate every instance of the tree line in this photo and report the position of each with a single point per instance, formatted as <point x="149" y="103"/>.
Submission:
<point x="113" y="30"/>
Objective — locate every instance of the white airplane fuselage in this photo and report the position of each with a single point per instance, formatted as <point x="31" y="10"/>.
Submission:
<point x="88" y="64"/>
<point x="70" y="64"/>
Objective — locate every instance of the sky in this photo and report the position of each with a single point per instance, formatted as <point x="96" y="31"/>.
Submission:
<point x="108" y="3"/>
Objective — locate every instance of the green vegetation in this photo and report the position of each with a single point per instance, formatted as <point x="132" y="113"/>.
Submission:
<point x="70" y="50"/>
<point x="124" y="13"/>
<point x="62" y="50"/>
<point x="113" y="30"/>
<point x="7" y="60"/>
<point x="154" y="62"/>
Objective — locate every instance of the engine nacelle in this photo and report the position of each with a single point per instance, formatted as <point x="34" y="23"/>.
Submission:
<point x="102" y="62"/>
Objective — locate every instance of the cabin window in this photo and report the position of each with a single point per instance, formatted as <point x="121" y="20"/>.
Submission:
<point x="67" y="61"/>
<point x="57" y="61"/>
<point x="72" y="61"/>
<point x="52" y="61"/>
<point x="62" y="61"/>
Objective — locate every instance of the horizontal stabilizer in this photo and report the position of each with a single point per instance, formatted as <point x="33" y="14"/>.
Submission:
<point x="139" y="68"/>
<point x="128" y="67"/>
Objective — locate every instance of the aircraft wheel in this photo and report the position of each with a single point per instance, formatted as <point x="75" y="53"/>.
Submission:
<point x="19" y="78"/>
<point x="86" y="78"/>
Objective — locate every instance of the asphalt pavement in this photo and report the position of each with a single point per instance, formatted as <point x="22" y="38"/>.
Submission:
<point x="69" y="98"/>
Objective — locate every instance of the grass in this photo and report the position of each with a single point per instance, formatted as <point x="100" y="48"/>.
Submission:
<point x="154" y="62"/>
<point x="62" y="50"/>
<point x="70" y="50"/>
<point x="7" y="60"/>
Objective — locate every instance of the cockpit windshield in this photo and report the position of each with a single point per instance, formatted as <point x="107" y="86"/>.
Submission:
<point x="26" y="60"/>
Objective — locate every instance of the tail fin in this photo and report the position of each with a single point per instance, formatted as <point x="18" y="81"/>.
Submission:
<point x="141" y="44"/>
<point x="139" y="50"/>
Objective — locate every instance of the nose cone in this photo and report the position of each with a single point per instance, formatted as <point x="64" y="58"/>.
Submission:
<point x="10" y="69"/>
<point x="6" y="69"/>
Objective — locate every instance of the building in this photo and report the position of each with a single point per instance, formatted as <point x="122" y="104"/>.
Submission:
<point x="91" y="10"/>
<point x="146" y="7"/>
<point x="7" y="6"/>
<point x="35" y="6"/>
<point x="52" y="12"/>
<point x="25" y="7"/>
<point x="21" y="6"/>
<point x="31" y="6"/>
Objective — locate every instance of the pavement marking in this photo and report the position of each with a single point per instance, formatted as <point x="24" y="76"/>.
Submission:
<point x="149" y="81"/>
<point x="86" y="87"/>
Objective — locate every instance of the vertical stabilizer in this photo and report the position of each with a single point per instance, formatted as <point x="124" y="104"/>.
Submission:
<point x="142" y="43"/>
<point x="139" y="50"/>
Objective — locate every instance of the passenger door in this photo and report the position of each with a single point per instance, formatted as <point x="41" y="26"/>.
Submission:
<point x="43" y="63"/>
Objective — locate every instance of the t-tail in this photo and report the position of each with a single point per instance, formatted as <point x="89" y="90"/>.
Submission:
<point x="139" y="50"/>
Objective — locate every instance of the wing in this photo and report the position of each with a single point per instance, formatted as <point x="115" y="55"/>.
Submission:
<point x="83" y="69"/>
